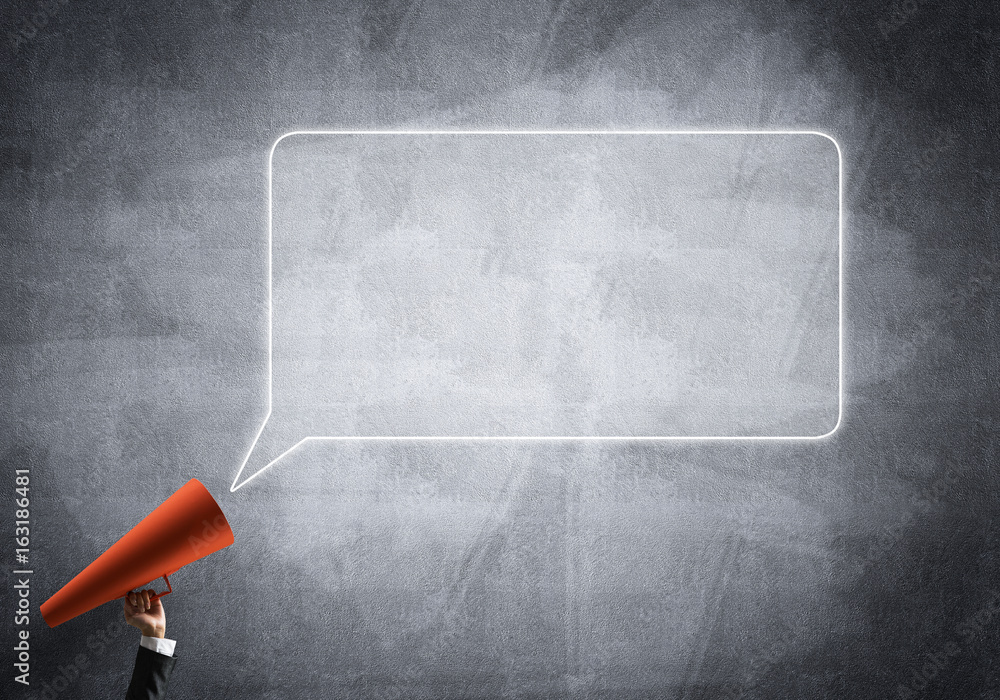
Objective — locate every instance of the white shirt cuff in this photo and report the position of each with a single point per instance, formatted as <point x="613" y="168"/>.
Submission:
<point x="159" y="645"/>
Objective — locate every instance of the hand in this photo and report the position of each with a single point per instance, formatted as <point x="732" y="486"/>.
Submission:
<point x="145" y="615"/>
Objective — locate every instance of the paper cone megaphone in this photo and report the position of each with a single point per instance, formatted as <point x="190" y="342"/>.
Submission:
<point x="187" y="526"/>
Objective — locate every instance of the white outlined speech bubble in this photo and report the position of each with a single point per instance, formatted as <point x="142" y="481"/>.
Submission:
<point x="552" y="285"/>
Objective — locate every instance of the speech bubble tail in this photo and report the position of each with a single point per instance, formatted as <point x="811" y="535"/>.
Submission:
<point x="269" y="446"/>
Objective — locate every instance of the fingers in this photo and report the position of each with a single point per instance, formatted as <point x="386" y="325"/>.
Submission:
<point x="140" y="601"/>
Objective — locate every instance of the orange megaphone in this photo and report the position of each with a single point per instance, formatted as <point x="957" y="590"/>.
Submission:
<point x="187" y="526"/>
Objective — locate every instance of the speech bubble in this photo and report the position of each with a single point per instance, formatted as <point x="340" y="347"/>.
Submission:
<point x="552" y="285"/>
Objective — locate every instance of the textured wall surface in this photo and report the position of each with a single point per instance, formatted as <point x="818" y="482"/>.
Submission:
<point x="133" y="317"/>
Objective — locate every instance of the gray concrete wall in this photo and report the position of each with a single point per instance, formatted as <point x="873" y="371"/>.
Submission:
<point x="134" y="351"/>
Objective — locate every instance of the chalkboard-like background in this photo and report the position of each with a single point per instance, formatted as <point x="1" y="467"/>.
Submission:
<point x="134" y="140"/>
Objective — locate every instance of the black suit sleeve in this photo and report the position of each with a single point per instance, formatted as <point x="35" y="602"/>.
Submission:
<point x="150" y="675"/>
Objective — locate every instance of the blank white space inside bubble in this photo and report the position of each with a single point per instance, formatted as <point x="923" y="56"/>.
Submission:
<point x="552" y="285"/>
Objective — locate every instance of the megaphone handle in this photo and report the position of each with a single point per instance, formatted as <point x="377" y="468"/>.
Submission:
<point x="157" y="596"/>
